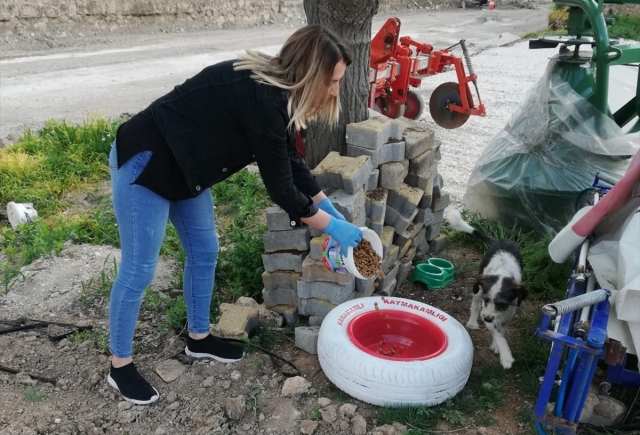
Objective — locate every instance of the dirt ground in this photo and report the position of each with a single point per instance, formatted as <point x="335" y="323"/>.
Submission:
<point x="205" y="397"/>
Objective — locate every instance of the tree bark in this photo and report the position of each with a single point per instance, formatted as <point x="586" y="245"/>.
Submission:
<point x="351" y="21"/>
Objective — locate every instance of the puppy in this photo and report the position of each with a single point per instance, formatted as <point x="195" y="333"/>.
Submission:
<point x="498" y="289"/>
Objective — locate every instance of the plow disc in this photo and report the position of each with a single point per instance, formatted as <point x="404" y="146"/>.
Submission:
<point x="442" y="97"/>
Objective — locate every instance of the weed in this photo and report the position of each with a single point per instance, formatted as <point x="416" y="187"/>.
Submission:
<point x="317" y="415"/>
<point x="34" y="396"/>
<point x="176" y="317"/>
<point x="543" y="278"/>
<point x="102" y="340"/>
<point x="419" y="419"/>
<point x="9" y="276"/>
<point x="253" y="399"/>
<point x="80" y="336"/>
<point x="156" y="301"/>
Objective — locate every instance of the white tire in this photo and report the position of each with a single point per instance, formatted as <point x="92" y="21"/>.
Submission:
<point x="431" y="376"/>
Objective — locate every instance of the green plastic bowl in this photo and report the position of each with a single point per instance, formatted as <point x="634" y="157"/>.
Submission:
<point x="435" y="273"/>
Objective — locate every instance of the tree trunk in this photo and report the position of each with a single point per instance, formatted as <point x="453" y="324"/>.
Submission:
<point x="351" y="21"/>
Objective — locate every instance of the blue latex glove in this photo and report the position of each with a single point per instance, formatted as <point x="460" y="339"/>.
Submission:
<point x="326" y="206"/>
<point x="344" y="233"/>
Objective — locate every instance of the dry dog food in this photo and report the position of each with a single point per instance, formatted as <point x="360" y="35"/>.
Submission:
<point x="367" y="261"/>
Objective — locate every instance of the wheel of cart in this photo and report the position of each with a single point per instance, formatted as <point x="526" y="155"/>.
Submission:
<point x="577" y="330"/>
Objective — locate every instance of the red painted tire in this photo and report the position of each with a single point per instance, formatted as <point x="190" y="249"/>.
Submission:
<point x="390" y="351"/>
<point x="389" y="110"/>
<point x="413" y="106"/>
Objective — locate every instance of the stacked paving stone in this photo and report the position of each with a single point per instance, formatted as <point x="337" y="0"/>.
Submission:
<point x="389" y="183"/>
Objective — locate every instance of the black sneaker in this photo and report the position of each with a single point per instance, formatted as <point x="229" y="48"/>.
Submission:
<point x="133" y="387"/>
<point x="213" y="347"/>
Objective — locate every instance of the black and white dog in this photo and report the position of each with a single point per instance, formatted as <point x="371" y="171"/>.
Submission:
<point x="498" y="288"/>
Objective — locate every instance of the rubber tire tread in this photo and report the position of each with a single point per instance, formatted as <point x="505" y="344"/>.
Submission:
<point x="394" y="383"/>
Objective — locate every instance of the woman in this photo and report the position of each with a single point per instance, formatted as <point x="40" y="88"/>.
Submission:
<point x="166" y="158"/>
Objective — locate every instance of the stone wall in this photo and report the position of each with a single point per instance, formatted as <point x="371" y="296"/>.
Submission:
<point x="27" y="15"/>
<point x="388" y="182"/>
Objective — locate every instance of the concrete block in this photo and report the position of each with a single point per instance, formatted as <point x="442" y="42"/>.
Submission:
<point x="315" y="248"/>
<point x="280" y="296"/>
<point x="315" y="307"/>
<point x="422" y="165"/>
<point x="332" y="292"/>
<point x="361" y="219"/>
<point x="433" y="231"/>
<point x="236" y="321"/>
<point x="397" y="221"/>
<point x="375" y="204"/>
<point x="438" y="244"/>
<point x="418" y="140"/>
<point x="314" y="232"/>
<point x="421" y="183"/>
<point x="350" y="205"/>
<point x="283" y="261"/>
<point x="294" y="240"/>
<point x="405" y="248"/>
<point x="438" y="217"/>
<point x="280" y="280"/>
<point x="387" y="239"/>
<point x="390" y="259"/>
<point x="412" y="231"/>
<point x="423" y="246"/>
<point x="346" y="173"/>
<point x="269" y="318"/>
<point x="375" y="226"/>
<point x="425" y="215"/>
<point x="411" y="254"/>
<point x="372" y="184"/>
<point x="306" y="338"/>
<point x="388" y="277"/>
<point x="437" y="186"/>
<point x="278" y="219"/>
<point x="373" y="132"/>
<point x="315" y="320"/>
<point x="288" y="312"/>
<point x="316" y="271"/>
<point x="442" y="202"/>
<point x="427" y="198"/>
<point x="392" y="174"/>
<point x="405" y="199"/>
<point x="365" y="287"/>
<point x="403" y="271"/>
<point x="391" y="152"/>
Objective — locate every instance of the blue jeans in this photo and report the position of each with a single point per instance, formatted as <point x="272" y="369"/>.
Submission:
<point x="142" y="217"/>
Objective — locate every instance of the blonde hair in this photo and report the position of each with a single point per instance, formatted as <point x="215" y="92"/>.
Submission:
<point x="304" y="67"/>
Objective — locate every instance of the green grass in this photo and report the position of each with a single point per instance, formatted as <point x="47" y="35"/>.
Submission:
<point x="625" y="27"/>
<point x="62" y="161"/>
<point x="33" y="396"/>
<point x="544" y="279"/>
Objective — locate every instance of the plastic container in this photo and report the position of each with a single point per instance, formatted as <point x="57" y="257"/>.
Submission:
<point x="435" y="273"/>
<point x="20" y="214"/>
<point x="336" y="261"/>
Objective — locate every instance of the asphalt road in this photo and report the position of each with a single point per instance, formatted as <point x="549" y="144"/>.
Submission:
<point x="126" y="72"/>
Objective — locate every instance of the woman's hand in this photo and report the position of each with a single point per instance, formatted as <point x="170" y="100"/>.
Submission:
<point x="343" y="232"/>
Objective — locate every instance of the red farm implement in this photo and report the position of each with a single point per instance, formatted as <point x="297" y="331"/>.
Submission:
<point x="398" y="63"/>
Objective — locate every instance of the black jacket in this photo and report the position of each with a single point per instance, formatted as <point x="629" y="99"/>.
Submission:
<point x="215" y="124"/>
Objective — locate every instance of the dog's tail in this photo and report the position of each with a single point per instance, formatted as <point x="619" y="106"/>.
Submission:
<point x="457" y="222"/>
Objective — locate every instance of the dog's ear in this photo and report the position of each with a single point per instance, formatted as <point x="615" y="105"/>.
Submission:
<point x="521" y="293"/>
<point x="479" y="283"/>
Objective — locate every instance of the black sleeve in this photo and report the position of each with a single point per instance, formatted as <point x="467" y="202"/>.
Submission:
<point x="270" y="145"/>
<point x="302" y="177"/>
